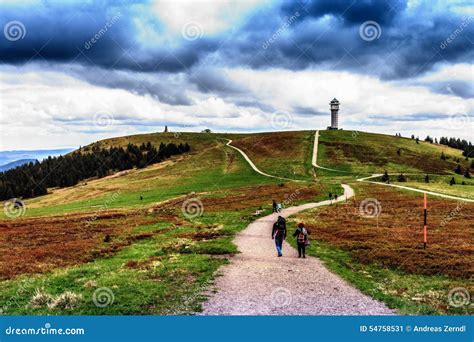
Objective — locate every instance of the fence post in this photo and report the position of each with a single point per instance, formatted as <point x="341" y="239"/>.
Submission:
<point x="424" y="223"/>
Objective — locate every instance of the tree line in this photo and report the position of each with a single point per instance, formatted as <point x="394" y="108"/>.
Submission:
<point x="33" y="179"/>
<point x="465" y="146"/>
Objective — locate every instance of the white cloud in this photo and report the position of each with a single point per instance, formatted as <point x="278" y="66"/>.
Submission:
<point x="43" y="108"/>
<point x="212" y="17"/>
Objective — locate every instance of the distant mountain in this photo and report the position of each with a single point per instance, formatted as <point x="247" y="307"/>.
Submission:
<point x="16" y="163"/>
<point x="7" y="157"/>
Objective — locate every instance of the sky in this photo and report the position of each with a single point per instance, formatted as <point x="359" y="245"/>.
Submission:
<point x="73" y="72"/>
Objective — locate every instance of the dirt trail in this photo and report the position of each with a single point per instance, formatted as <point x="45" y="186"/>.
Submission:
<point x="257" y="282"/>
<point x="314" y="162"/>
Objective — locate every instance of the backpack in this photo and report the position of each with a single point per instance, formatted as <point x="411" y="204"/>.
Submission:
<point x="301" y="238"/>
<point x="280" y="227"/>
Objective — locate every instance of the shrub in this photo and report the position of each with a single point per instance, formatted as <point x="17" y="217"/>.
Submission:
<point x="402" y="178"/>
<point x="40" y="299"/>
<point x="66" y="300"/>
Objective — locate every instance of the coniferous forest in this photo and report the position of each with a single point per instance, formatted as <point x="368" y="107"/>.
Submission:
<point x="465" y="146"/>
<point x="34" y="179"/>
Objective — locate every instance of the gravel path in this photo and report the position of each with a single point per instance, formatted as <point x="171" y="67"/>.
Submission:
<point x="257" y="282"/>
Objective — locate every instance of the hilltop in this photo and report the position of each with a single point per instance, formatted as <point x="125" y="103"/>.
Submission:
<point x="157" y="235"/>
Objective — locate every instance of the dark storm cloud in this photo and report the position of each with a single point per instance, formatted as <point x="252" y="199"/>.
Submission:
<point x="295" y="36"/>
<point x="168" y="88"/>
<point x="308" y="111"/>
<point x="98" y="33"/>
<point x="352" y="11"/>
<point x="457" y="88"/>
<point x="209" y="80"/>
<point x="326" y="33"/>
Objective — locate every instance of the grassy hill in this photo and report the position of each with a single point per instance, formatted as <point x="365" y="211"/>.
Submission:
<point x="367" y="153"/>
<point x="132" y="232"/>
<point x="286" y="154"/>
<point x="153" y="254"/>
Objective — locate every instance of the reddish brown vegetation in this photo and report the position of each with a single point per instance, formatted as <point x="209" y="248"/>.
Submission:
<point x="398" y="241"/>
<point x="254" y="197"/>
<point x="35" y="245"/>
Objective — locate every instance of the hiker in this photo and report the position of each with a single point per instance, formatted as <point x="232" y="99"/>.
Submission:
<point x="335" y="197"/>
<point x="301" y="234"/>
<point x="330" y="196"/>
<point x="274" y="206"/>
<point x="18" y="203"/>
<point x="279" y="234"/>
<point x="279" y="207"/>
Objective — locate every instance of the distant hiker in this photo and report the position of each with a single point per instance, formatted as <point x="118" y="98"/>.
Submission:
<point x="18" y="203"/>
<point x="279" y="207"/>
<point x="330" y="196"/>
<point x="141" y="198"/>
<point x="279" y="234"/>
<point x="335" y="197"/>
<point x="274" y="206"/>
<point x="302" y="241"/>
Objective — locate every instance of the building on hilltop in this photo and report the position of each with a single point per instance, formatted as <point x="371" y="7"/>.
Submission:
<point x="166" y="129"/>
<point x="334" y="105"/>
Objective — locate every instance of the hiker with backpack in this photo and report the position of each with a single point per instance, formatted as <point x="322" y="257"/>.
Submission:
<point x="279" y="234"/>
<point x="301" y="234"/>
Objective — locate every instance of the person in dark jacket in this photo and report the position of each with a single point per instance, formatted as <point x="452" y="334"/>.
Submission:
<point x="274" y="206"/>
<point x="279" y="234"/>
<point x="301" y="235"/>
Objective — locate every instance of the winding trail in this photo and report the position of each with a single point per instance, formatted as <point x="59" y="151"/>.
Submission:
<point x="314" y="160"/>
<point x="257" y="282"/>
<point x="255" y="168"/>
<point x="366" y="179"/>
